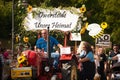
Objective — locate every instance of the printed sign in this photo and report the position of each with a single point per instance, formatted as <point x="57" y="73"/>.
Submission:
<point x="75" y="37"/>
<point x="103" y="40"/>
<point x="57" y="19"/>
<point x="65" y="50"/>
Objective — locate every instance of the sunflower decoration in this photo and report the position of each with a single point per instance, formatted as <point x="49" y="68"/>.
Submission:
<point x="83" y="9"/>
<point x="22" y="61"/>
<point x="104" y="25"/>
<point x="17" y="39"/>
<point x="25" y="39"/>
<point x="29" y="8"/>
<point x="82" y="31"/>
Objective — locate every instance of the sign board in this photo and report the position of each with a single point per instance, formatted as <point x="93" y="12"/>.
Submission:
<point x="65" y="50"/>
<point x="56" y="18"/>
<point x="75" y="37"/>
<point x="104" y="40"/>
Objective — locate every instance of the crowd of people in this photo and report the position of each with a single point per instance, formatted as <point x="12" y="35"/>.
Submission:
<point x="5" y="60"/>
<point x="101" y="61"/>
<point x="97" y="59"/>
<point x="93" y="61"/>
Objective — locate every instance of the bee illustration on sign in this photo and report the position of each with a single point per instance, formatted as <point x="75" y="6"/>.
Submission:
<point x="95" y="30"/>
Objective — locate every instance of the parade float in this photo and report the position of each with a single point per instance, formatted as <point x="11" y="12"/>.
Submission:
<point x="32" y="65"/>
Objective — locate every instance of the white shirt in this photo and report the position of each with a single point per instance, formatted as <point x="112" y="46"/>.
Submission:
<point x="118" y="55"/>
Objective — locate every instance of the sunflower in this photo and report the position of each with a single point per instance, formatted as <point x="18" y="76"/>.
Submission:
<point x="86" y="25"/>
<point x="104" y="25"/>
<point x="17" y="39"/>
<point x="22" y="60"/>
<point x="26" y="39"/>
<point x="29" y="8"/>
<point x="82" y="31"/>
<point x="83" y="9"/>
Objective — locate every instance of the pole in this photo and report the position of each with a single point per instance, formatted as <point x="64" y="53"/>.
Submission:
<point x="13" y="28"/>
<point x="75" y="46"/>
<point x="65" y="39"/>
<point x="48" y="44"/>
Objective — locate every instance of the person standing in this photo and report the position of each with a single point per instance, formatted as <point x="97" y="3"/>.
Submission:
<point x="102" y="63"/>
<point x="41" y="44"/>
<point x="1" y="64"/>
<point x="87" y="60"/>
<point x="114" y="52"/>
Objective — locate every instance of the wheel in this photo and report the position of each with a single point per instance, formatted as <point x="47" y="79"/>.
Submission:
<point x="69" y="70"/>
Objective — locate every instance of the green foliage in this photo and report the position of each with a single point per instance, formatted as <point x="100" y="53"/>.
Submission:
<point x="112" y="15"/>
<point x="59" y="35"/>
<point x="97" y="12"/>
<point x="115" y="36"/>
<point x="5" y="19"/>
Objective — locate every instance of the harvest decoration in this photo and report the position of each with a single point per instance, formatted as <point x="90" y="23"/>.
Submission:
<point x="104" y="25"/>
<point x="29" y="8"/>
<point x="25" y="39"/>
<point x="22" y="61"/>
<point x="17" y="39"/>
<point x="82" y="31"/>
<point x="83" y="9"/>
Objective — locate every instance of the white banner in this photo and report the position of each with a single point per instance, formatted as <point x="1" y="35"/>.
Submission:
<point x="57" y="19"/>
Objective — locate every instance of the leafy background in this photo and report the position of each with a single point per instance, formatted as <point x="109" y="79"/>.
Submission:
<point x="97" y="12"/>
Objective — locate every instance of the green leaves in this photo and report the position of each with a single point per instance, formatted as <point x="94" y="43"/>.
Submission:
<point x="97" y="11"/>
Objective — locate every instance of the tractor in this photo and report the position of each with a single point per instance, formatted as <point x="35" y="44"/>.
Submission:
<point x="34" y="65"/>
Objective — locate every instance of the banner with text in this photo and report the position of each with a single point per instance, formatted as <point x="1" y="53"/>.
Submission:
<point x="57" y="19"/>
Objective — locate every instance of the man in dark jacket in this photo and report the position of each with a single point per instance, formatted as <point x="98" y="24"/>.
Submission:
<point x="114" y="52"/>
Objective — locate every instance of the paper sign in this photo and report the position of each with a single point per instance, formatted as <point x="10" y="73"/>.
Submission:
<point x="65" y="50"/>
<point x="75" y="37"/>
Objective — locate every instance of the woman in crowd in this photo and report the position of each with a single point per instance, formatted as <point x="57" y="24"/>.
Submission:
<point x="101" y="65"/>
<point x="87" y="59"/>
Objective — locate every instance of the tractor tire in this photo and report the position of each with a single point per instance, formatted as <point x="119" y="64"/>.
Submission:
<point x="69" y="70"/>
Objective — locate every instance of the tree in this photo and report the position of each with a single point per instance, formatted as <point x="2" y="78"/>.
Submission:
<point x="97" y="12"/>
<point x="112" y="13"/>
<point x="5" y="19"/>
